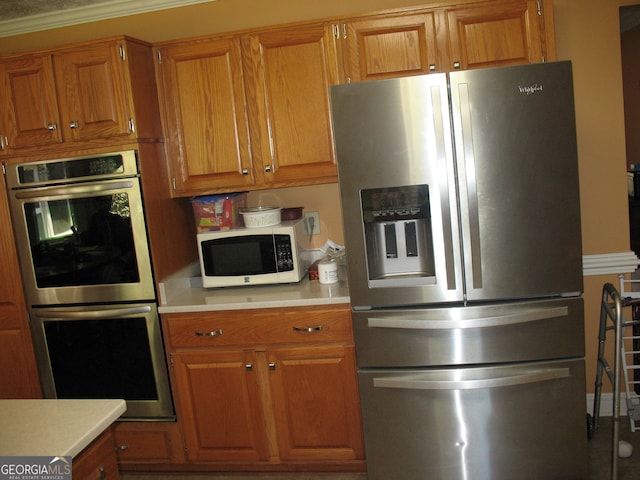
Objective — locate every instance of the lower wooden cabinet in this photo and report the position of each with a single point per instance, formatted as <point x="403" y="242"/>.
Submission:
<point x="139" y="444"/>
<point x="272" y="389"/>
<point x="98" y="460"/>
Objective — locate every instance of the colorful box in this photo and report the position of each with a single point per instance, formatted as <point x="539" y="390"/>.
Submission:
<point x="219" y="212"/>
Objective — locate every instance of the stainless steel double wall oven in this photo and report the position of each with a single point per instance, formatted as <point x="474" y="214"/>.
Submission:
<point x="82" y="240"/>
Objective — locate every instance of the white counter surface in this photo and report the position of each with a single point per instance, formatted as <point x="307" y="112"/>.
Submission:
<point x="184" y="293"/>
<point x="54" y="427"/>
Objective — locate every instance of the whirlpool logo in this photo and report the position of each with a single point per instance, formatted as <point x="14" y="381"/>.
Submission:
<point x="530" y="89"/>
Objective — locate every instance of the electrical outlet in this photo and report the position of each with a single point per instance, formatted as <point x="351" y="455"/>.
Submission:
<point x="312" y="223"/>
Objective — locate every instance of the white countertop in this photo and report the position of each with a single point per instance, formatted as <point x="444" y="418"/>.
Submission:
<point x="54" y="427"/>
<point x="183" y="292"/>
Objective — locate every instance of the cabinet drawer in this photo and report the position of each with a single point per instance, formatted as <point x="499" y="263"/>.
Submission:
<point x="98" y="460"/>
<point x="300" y="325"/>
<point x="148" y="442"/>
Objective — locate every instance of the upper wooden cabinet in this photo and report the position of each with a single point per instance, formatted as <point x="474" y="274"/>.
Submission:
<point x="270" y="87"/>
<point x="29" y="108"/>
<point x="497" y="33"/>
<point x="288" y="74"/>
<point x="83" y="95"/>
<point x="205" y="119"/>
<point x="391" y="46"/>
<point x="464" y="36"/>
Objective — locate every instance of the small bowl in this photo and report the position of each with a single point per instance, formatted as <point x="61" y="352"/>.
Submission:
<point x="292" y="213"/>
<point x="257" y="217"/>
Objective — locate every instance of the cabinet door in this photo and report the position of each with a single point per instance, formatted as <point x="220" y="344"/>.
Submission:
<point x="139" y="443"/>
<point x="288" y="76"/>
<point x="92" y="90"/>
<point x="315" y="402"/>
<point x="19" y="378"/>
<point x="395" y="46"/>
<point x="98" y="460"/>
<point x="28" y="105"/>
<point x="205" y="122"/>
<point x="218" y="401"/>
<point x="495" y="33"/>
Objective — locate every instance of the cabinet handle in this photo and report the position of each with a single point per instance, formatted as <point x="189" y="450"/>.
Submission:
<point x="268" y="168"/>
<point x="317" y="328"/>
<point x="249" y="366"/>
<point x="245" y="171"/>
<point x="456" y="65"/>
<point x="52" y="127"/>
<point x="212" y="333"/>
<point x="73" y="124"/>
<point x="2" y="142"/>
<point x="432" y="67"/>
<point x="272" y="365"/>
<point x="122" y="448"/>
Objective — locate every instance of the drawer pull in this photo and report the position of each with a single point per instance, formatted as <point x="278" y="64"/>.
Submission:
<point x="212" y="333"/>
<point x="317" y="328"/>
<point x="272" y="365"/>
<point x="122" y="448"/>
<point x="249" y="366"/>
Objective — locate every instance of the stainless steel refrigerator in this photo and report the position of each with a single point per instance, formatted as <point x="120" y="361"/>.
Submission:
<point x="462" y="226"/>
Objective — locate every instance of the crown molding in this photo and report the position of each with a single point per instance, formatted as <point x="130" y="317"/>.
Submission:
<point x="85" y="14"/>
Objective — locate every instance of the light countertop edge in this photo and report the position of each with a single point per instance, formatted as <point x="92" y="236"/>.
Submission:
<point x="50" y="427"/>
<point x="183" y="293"/>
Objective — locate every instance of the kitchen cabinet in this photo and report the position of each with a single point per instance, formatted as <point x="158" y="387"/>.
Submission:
<point x="140" y="444"/>
<point x="277" y="387"/>
<point x="19" y="377"/>
<point x="201" y="87"/>
<point x="392" y="46"/>
<point x="289" y="71"/>
<point x="78" y="96"/>
<point x="490" y="34"/>
<point x="248" y="113"/>
<point x="98" y="460"/>
<point x="464" y="36"/>
<point x="29" y="113"/>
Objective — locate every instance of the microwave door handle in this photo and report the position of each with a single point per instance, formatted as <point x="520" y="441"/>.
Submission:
<point x="92" y="314"/>
<point x="70" y="190"/>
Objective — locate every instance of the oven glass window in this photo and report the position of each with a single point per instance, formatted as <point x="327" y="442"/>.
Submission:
<point x="106" y="358"/>
<point x="82" y="241"/>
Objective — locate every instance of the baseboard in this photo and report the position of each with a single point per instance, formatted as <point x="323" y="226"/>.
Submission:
<point x="606" y="404"/>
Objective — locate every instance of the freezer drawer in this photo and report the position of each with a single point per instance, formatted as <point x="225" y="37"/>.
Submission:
<point x="510" y="332"/>
<point x="497" y="423"/>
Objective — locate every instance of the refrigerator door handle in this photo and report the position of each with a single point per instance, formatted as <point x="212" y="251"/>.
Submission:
<point x="414" y="382"/>
<point x="515" y="318"/>
<point x="467" y="168"/>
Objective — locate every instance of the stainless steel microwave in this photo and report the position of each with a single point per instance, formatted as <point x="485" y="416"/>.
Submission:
<point x="254" y="256"/>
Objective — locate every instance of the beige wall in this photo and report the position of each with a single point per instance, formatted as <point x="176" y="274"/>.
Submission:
<point x="587" y="32"/>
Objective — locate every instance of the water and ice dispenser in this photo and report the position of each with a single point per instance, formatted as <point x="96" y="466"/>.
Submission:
<point x="397" y="225"/>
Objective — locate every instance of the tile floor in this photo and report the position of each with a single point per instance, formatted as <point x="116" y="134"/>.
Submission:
<point x="599" y="462"/>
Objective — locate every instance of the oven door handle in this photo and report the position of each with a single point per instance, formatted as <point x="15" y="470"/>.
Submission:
<point x="71" y="190"/>
<point x="523" y="316"/>
<point x="413" y="382"/>
<point x="92" y="314"/>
